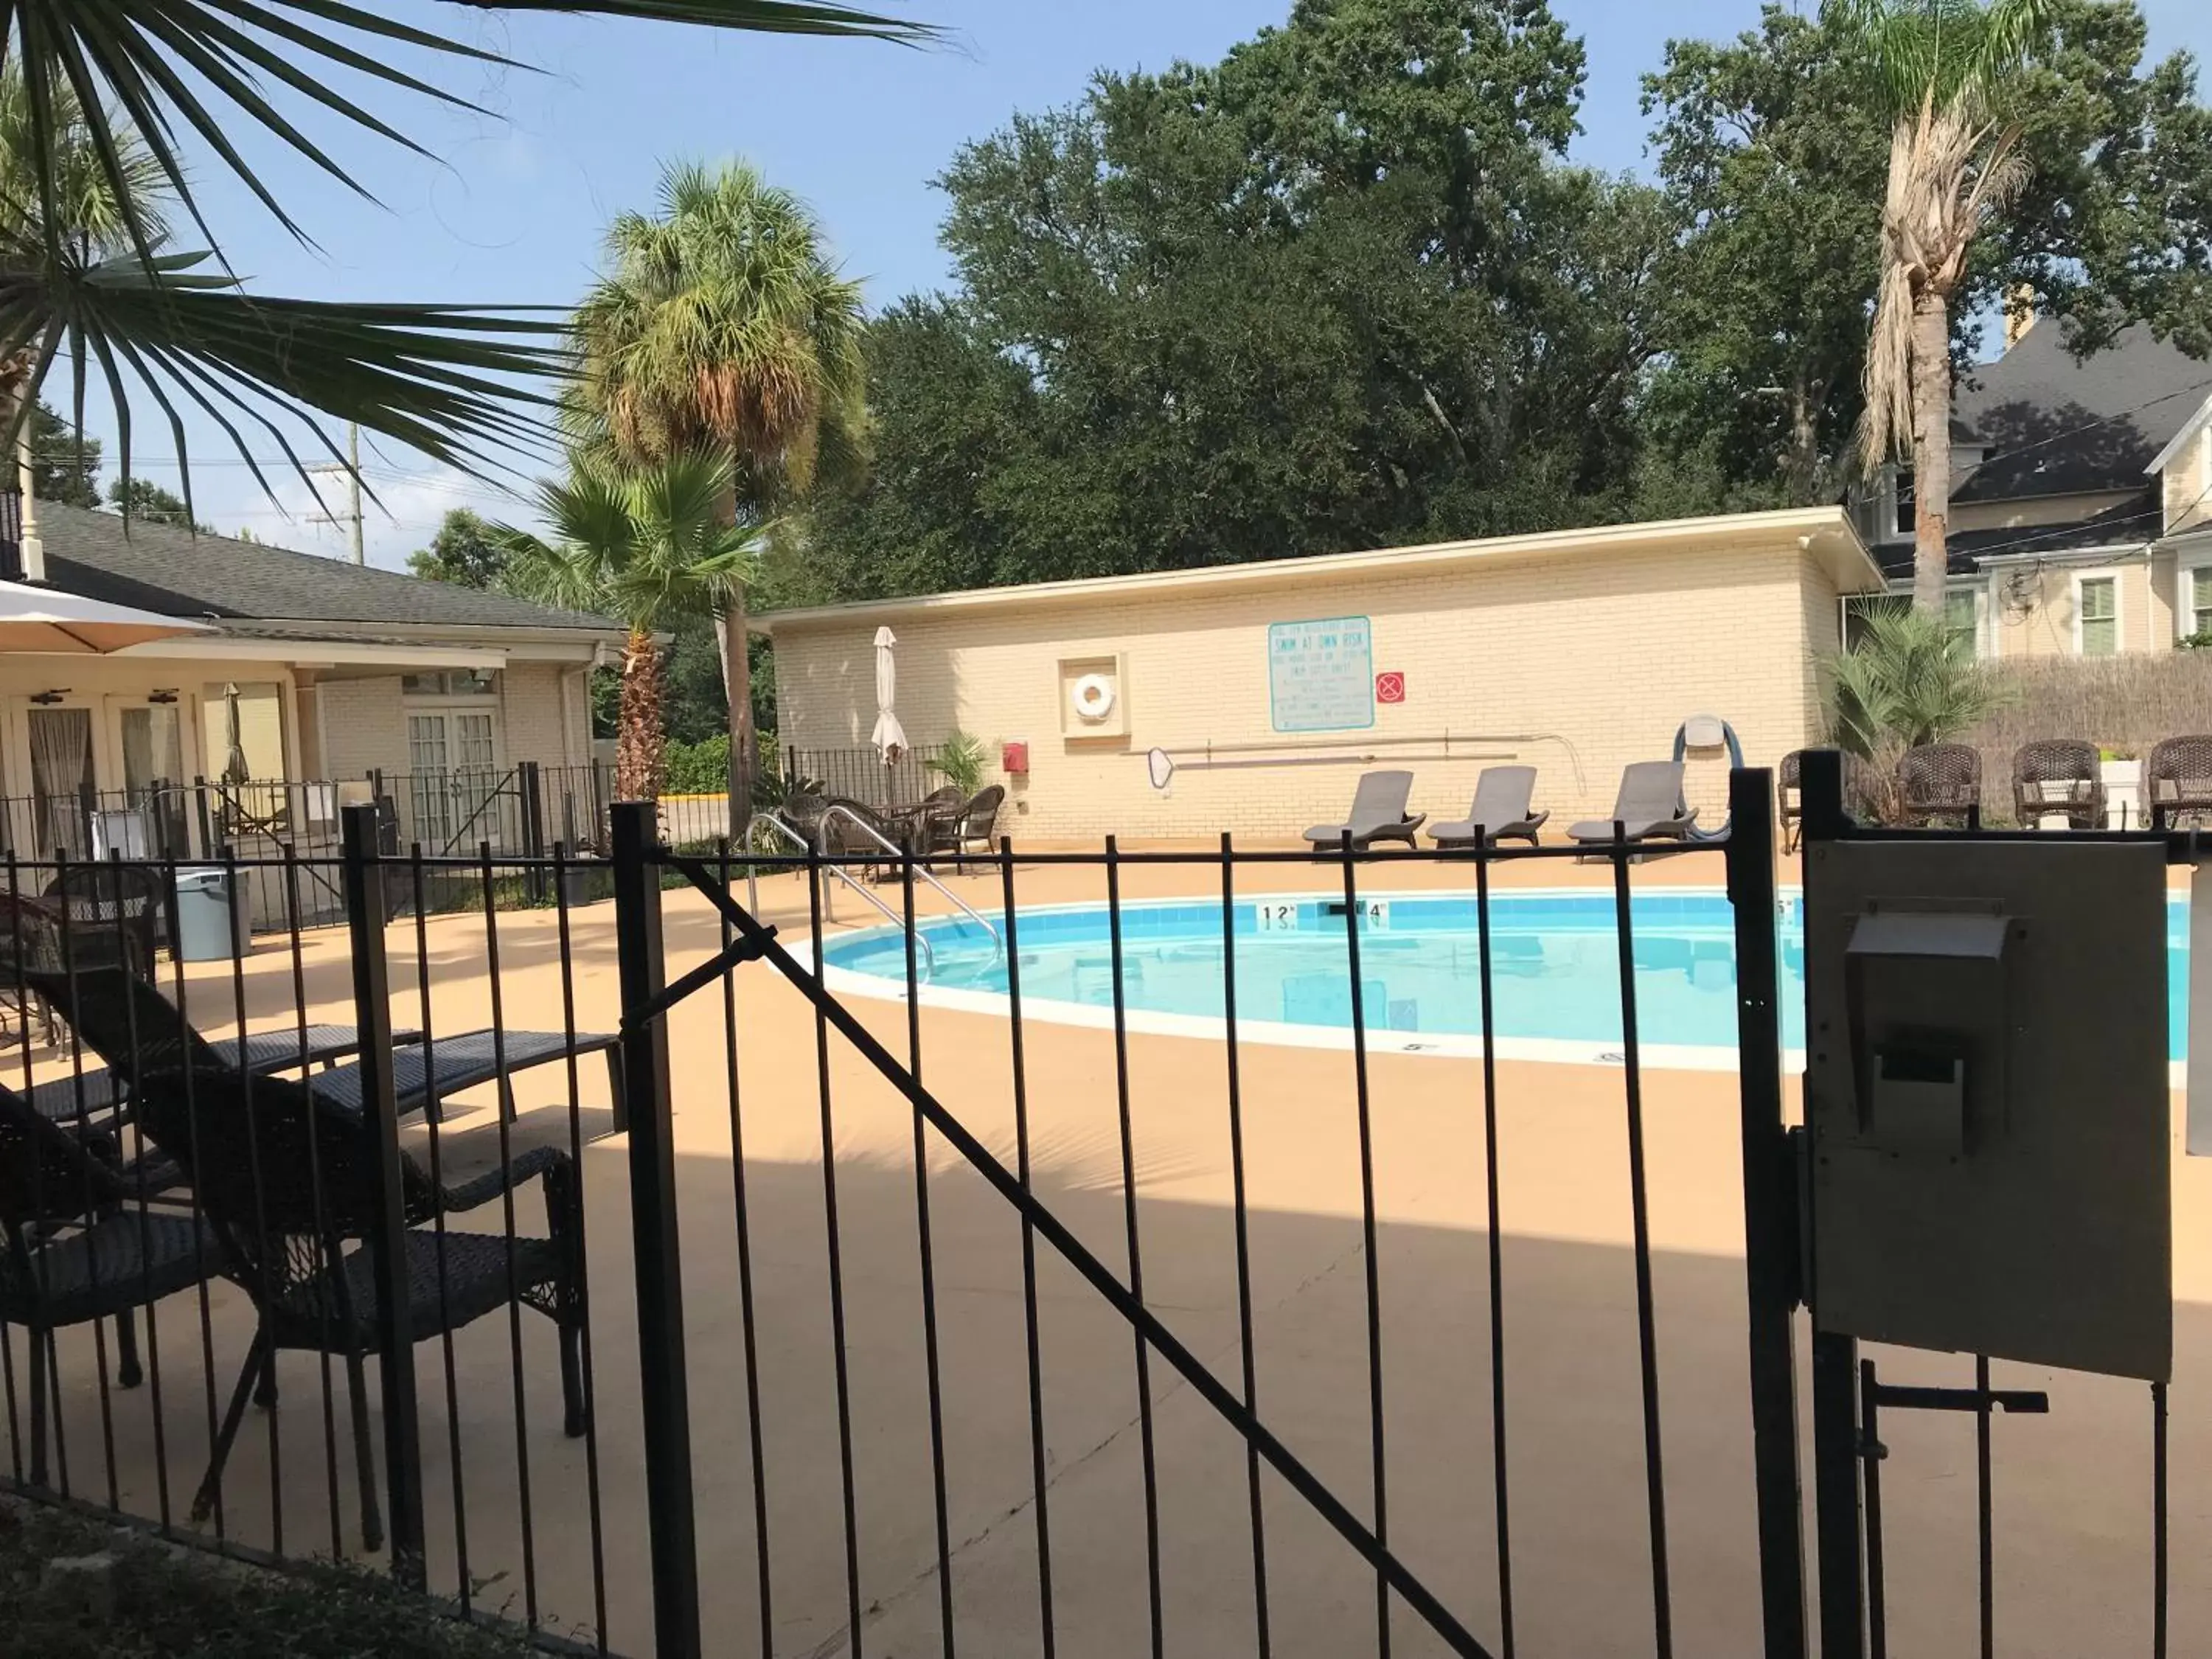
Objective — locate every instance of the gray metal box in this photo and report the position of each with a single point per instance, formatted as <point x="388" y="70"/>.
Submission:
<point x="1987" y="1094"/>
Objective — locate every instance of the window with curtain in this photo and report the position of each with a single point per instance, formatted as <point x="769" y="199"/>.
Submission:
<point x="1960" y="622"/>
<point x="2197" y="601"/>
<point x="61" y="776"/>
<point x="2099" y="616"/>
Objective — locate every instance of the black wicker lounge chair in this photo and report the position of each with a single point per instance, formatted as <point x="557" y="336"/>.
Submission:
<point x="1500" y="811"/>
<point x="138" y="1030"/>
<point x="2056" y="776"/>
<point x="76" y="1244"/>
<point x="288" y="1185"/>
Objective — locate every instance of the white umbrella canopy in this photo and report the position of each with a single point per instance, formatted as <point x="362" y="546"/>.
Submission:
<point x="889" y="735"/>
<point x="48" y="621"/>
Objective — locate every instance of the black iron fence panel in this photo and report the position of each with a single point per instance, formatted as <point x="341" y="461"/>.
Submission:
<point x="863" y="775"/>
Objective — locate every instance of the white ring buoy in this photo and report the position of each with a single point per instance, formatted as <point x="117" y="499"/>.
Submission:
<point x="1094" y="697"/>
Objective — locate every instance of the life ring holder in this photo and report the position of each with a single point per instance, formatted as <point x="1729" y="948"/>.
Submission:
<point x="1093" y="697"/>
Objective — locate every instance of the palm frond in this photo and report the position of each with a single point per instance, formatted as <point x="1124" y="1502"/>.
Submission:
<point x="452" y="381"/>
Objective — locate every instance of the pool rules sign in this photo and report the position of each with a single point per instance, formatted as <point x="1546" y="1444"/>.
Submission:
<point x="1321" y="675"/>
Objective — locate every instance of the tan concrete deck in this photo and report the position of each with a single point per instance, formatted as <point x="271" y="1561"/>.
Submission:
<point x="2072" y="1494"/>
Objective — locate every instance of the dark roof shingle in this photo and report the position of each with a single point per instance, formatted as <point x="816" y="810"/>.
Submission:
<point x="172" y="572"/>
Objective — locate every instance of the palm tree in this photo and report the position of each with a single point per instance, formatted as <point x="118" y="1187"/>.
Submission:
<point x="1907" y="680"/>
<point x="1953" y="165"/>
<point x="721" y="322"/>
<point x="450" y="380"/>
<point x="92" y="212"/>
<point x="646" y="548"/>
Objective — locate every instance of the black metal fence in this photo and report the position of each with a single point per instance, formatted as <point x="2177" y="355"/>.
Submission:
<point x="1484" y="1453"/>
<point x="861" y="774"/>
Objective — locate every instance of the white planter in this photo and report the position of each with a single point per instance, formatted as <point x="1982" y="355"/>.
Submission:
<point x="2123" y="803"/>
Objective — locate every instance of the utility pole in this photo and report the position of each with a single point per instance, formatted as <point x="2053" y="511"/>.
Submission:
<point x="352" y="472"/>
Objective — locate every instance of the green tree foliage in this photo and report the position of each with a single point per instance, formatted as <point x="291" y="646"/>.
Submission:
<point x="143" y="499"/>
<point x="464" y="552"/>
<point x="64" y="465"/>
<point x="1335" y="291"/>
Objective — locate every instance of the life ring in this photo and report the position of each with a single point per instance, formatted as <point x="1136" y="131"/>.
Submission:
<point x="1093" y="696"/>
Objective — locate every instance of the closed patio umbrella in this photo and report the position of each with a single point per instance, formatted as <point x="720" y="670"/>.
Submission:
<point x="234" y="768"/>
<point x="889" y="737"/>
<point x="48" y="621"/>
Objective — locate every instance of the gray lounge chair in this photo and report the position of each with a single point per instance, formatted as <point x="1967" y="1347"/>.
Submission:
<point x="1378" y="813"/>
<point x="1649" y="807"/>
<point x="1500" y="811"/>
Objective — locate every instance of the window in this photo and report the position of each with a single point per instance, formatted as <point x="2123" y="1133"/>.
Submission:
<point x="1962" y="621"/>
<point x="2097" y="615"/>
<point x="2195" y="602"/>
<point x="1903" y="512"/>
<point x="457" y="682"/>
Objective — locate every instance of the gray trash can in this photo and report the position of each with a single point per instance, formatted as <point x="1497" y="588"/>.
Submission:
<point x="211" y="917"/>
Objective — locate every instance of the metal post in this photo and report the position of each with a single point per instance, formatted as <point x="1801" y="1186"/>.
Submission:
<point x="387" y="1228"/>
<point x="531" y="783"/>
<point x="1837" y="1512"/>
<point x="643" y="1110"/>
<point x="1770" y="1214"/>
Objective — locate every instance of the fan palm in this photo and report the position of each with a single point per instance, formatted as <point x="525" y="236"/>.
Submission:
<point x="722" y="323"/>
<point x="444" y="379"/>
<point x="1953" y="166"/>
<point x="1906" y="681"/>
<point x="647" y="548"/>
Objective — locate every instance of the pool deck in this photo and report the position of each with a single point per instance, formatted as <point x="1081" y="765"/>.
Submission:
<point x="2072" y="1493"/>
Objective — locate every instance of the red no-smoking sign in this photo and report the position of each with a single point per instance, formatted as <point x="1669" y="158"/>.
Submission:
<point x="1389" y="688"/>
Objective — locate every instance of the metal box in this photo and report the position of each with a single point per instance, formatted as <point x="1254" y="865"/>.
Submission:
<point x="1987" y="1096"/>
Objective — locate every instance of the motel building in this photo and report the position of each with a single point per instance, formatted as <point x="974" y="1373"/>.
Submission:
<point x="1271" y="686"/>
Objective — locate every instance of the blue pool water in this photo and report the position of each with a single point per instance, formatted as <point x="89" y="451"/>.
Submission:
<point x="1555" y="962"/>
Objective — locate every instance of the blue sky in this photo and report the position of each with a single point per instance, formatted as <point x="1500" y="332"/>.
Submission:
<point x="510" y="206"/>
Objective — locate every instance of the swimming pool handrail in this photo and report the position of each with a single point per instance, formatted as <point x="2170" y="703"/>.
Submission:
<point x="846" y="876"/>
<point x="906" y="856"/>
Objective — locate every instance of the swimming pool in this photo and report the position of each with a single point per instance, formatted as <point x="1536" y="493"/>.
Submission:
<point x="1555" y="971"/>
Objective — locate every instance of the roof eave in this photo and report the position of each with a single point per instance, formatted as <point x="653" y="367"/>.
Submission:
<point x="2190" y="428"/>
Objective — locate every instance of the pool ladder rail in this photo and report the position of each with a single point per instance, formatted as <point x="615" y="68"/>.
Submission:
<point x="874" y="901"/>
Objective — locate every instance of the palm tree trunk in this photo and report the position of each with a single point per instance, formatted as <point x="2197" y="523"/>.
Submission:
<point x="730" y="638"/>
<point x="1931" y="448"/>
<point x="640" y="740"/>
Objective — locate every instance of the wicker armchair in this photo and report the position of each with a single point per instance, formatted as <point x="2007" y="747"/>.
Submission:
<point x="1938" y="780"/>
<point x="2056" y="776"/>
<point x="971" y="827"/>
<point x="285" y="1180"/>
<point x="76" y="1247"/>
<point x="2178" y="781"/>
<point x="113" y="914"/>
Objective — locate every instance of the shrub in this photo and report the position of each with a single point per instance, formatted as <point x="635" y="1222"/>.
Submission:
<point x="960" y="761"/>
<point x="701" y="768"/>
<point x="1908" y="681"/>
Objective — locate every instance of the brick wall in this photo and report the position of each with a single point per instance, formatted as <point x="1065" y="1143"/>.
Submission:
<point x="364" y="728"/>
<point x="539" y="714"/>
<point x="1604" y="652"/>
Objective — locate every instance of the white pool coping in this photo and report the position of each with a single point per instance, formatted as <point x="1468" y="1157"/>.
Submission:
<point x="1655" y="1056"/>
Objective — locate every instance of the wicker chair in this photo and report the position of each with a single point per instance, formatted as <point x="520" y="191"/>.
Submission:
<point x="75" y="1246"/>
<point x="286" y="1180"/>
<point x="30" y="943"/>
<point x="2178" y="781"/>
<point x="2056" y="776"/>
<point x="113" y="914"/>
<point x="1940" y="780"/>
<point x="969" y="830"/>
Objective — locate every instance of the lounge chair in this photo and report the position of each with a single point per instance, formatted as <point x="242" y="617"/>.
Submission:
<point x="75" y="1247"/>
<point x="139" y="1031"/>
<point x="1500" y="811"/>
<point x="2178" y="781"/>
<point x="1378" y="813"/>
<point x="2058" y="776"/>
<point x="1938" y="780"/>
<point x="1648" y="808"/>
<point x="286" y="1185"/>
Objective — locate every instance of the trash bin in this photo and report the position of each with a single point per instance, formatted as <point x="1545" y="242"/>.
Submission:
<point x="211" y="919"/>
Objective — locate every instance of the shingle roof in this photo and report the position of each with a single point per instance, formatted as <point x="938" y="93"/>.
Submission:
<point x="2055" y="426"/>
<point x="174" y="573"/>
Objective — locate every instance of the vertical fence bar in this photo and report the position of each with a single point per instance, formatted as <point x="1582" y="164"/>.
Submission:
<point x="1837" y="1512"/>
<point x="1009" y="924"/>
<point x="1261" y="1635"/>
<point x="1647" y="1335"/>
<point x="1870" y="1442"/>
<point x="2158" y="1534"/>
<point x="530" y="783"/>
<point x="1985" y="1542"/>
<point x="662" y="1387"/>
<point x="1770" y="1214"/>
<point x="1371" y="1249"/>
<point x="1493" y="1208"/>
<point x="387" y="1226"/>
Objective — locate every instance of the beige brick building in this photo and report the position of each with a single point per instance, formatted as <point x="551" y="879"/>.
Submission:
<point x="1273" y="685"/>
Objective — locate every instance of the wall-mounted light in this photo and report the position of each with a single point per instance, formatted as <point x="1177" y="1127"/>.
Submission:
<point x="162" y="698"/>
<point x="46" y="699"/>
